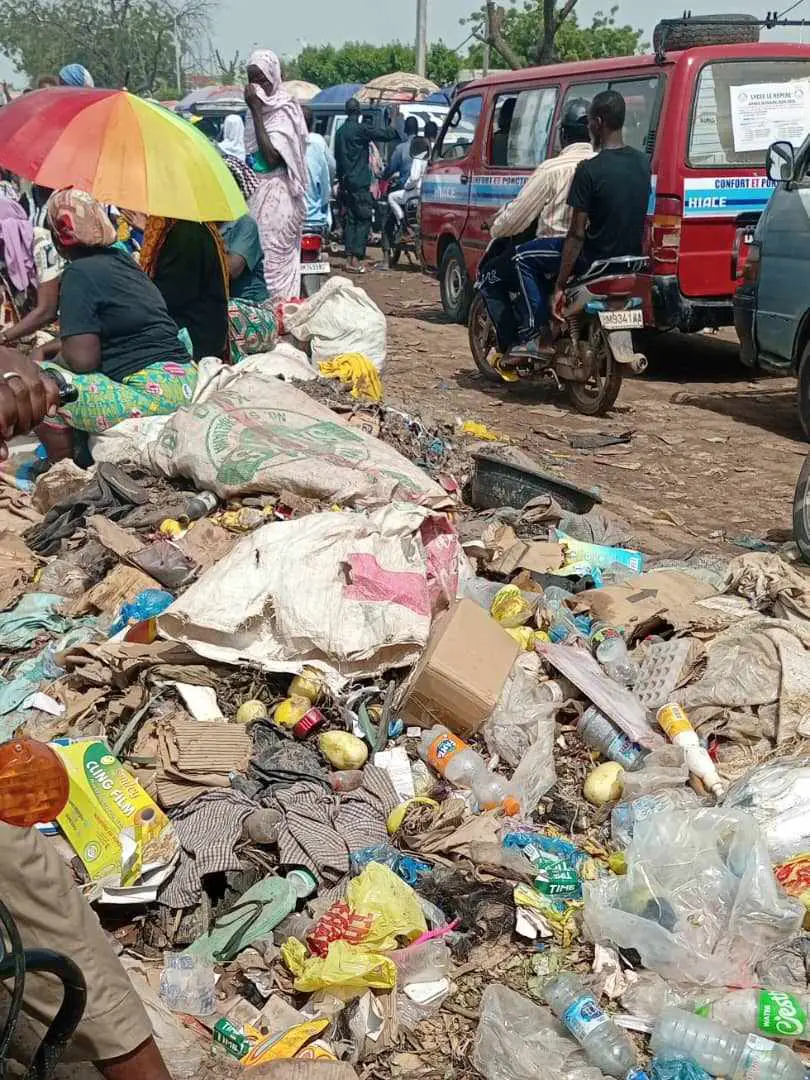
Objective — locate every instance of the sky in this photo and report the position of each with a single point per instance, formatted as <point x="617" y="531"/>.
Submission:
<point x="244" y="24"/>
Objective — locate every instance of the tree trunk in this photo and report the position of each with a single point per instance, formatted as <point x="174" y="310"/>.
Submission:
<point x="552" y="21"/>
<point x="495" y="17"/>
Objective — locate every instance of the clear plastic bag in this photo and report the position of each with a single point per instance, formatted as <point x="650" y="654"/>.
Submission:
<point x="699" y="901"/>
<point x="663" y="768"/>
<point x="518" y="1040"/>
<point x="777" y="796"/>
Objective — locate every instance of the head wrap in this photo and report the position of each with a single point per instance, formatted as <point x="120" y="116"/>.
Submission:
<point x="75" y="75"/>
<point x="78" y="220"/>
<point x="283" y="121"/>
<point x="233" y="137"/>
<point x="242" y="173"/>
<point x="17" y="235"/>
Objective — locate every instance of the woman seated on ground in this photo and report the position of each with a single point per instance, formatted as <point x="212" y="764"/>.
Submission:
<point x="30" y="268"/>
<point x="187" y="262"/>
<point x="118" y="347"/>
<point x="251" y="319"/>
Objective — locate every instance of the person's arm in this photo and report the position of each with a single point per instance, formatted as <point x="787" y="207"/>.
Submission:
<point x="44" y="312"/>
<point x="236" y="265"/>
<point x="325" y="183"/>
<point x="81" y="353"/>
<point x="394" y="165"/>
<point x="268" y="151"/>
<point x="331" y="162"/>
<point x="572" y="249"/>
<point x="25" y="398"/>
<point x="379" y="134"/>
<point x="518" y="215"/>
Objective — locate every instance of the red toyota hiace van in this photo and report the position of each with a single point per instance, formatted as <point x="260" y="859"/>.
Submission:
<point x="704" y="115"/>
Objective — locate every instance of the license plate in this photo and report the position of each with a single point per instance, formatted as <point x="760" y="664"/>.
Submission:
<point x="316" y="268"/>
<point x="629" y="319"/>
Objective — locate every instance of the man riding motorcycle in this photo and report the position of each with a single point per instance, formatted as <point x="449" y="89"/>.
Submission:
<point x="530" y="266"/>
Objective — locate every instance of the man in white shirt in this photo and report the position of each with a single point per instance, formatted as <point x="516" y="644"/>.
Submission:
<point x="398" y="200"/>
<point x="534" y="265"/>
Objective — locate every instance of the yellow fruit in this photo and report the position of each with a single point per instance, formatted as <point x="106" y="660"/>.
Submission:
<point x="604" y="783"/>
<point x="308" y="684"/>
<point x="171" y="528"/>
<point x="291" y="710"/>
<point x="250" y="711"/>
<point x="343" y="750"/>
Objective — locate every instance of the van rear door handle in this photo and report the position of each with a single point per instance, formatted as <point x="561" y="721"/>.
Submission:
<point x="465" y="179"/>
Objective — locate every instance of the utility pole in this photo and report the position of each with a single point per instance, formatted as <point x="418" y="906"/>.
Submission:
<point x="488" y="42"/>
<point x="178" y="69"/>
<point x="421" y="37"/>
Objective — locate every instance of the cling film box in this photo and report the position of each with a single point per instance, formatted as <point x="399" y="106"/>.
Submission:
<point x="114" y="827"/>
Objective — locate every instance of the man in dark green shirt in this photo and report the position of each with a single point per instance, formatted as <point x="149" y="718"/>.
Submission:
<point x="245" y="259"/>
<point x="354" y="175"/>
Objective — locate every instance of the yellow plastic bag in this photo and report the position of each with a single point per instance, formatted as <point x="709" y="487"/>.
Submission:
<point x="523" y="635"/>
<point x="346" y="970"/>
<point x="481" y="431"/>
<point x="357" y="370"/>
<point x="393" y="904"/>
<point x="509" y="608"/>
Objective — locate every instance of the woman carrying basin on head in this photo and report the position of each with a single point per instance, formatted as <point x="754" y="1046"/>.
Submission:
<point x="118" y="345"/>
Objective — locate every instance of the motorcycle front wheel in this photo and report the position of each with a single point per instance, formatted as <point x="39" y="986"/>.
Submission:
<point x="482" y="340"/>
<point x="596" y="396"/>
<point x="801" y="511"/>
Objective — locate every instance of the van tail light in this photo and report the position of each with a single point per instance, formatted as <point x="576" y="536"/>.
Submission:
<point x="34" y="783"/>
<point x="750" y="270"/>
<point x="311" y="242"/>
<point x="665" y="235"/>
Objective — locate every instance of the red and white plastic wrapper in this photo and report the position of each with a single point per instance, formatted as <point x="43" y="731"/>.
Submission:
<point x="580" y="668"/>
<point x="361" y="601"/>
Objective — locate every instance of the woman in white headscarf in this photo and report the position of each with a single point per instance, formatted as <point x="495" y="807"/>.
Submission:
<point x="233" y="137"/>
<point x="276" y="144"/>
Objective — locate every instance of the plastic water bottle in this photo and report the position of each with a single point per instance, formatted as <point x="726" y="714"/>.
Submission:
<point x="599" y="733"/>
<point x="722" y="1052"/>
<point x="775" y="1013"/>
<point x="457" y="762"/>
<point x="626" y="816"/>
<point x="616" y="661"/>
<point x="606" y="1046"/>
<point x="675" y="723"/>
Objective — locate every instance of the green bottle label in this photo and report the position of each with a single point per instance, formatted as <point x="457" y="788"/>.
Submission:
<point x="781" y="1015"/>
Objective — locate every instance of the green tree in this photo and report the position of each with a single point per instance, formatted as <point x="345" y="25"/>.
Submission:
<point x="538" y="31"/>
<point x="121" y="42"/>
<point x="360" y="62"/>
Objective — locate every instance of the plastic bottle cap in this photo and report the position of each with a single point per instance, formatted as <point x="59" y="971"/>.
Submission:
<point x="303" y="883"/>
<point x="511" y="807"/>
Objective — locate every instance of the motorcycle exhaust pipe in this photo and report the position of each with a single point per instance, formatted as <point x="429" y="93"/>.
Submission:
<point x="639" y="364"/>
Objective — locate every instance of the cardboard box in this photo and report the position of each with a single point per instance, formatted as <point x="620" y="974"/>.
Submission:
<point x="461" y="674"/>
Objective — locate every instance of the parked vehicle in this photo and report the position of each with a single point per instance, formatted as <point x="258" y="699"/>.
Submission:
<point x="315" y="265"/>
<point x="693" y="111"/>
<point x="402" y="241"/>
<point x="772" y="306"/>
<point x="603" y="308"/>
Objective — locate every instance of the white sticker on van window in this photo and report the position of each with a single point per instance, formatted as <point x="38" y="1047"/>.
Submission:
<point x="763" y="113"/>
<point x="726" y="196"/>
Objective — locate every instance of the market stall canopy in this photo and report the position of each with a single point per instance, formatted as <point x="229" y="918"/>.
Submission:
<point x="121" y="149"/>
<point x="302" y="91"/>
<point x="398" y="86"/>
<point x="337" y="95"/>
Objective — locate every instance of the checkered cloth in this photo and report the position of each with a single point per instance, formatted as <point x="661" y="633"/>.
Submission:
<point x="321" y="830"/>
<point x="208" y="828"/>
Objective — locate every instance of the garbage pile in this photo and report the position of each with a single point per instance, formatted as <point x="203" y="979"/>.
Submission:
<point x="375" y="780"/>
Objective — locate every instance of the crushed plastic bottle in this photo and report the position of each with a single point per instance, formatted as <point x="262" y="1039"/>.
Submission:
<point x="777" y="1014"/>
<point x="457" y="762"/>
<point x="599" y="733"/>
<point x="188" y="984"/>
<point x="722" y="1052"/>
<point x="626" y="816"/>
<point x="605" y="1045"/>
<point x="616" y="661"/>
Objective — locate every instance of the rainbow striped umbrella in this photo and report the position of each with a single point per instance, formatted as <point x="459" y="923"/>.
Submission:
<point x="120" y="148"/>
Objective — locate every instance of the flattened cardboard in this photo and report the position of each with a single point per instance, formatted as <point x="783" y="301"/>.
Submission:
<point x="462" y="670"/>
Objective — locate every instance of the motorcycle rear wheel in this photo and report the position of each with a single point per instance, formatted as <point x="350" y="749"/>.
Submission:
<point x="598" y="395"/>
<point x="482" y="340"/>
<point x="801" y="511"/>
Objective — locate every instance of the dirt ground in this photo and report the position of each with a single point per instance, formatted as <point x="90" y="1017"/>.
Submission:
<point x="714" y="456"/>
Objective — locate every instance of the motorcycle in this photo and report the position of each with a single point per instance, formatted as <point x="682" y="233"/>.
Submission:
<point x="603" y="307"/>
<point x="315" y="265"/>
<point x="403" y="236"/>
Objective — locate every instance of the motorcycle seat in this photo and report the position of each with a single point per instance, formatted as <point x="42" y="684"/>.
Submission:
<point x="620" y="264"/>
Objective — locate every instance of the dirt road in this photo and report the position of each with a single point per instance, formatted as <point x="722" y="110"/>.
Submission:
<point x="713" y="455"/>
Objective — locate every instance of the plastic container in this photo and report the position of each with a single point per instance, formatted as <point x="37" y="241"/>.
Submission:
<point x="200" y="505"/>
<point x="605" y="1045"/>
<point x="599" y="733"/>
<point x="616" y="661"/>
<point x="188" y="985"/>
<point x="722" y="1052"/>
<point x="429" y="961"/>
<point x="675" y="723"/>
<point x="626" y="816"/>
<point x="776" y="1014"/>
<point x="457" y="762"/>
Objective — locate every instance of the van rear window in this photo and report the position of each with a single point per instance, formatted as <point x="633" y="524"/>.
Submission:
<point x="742" y="106"/>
